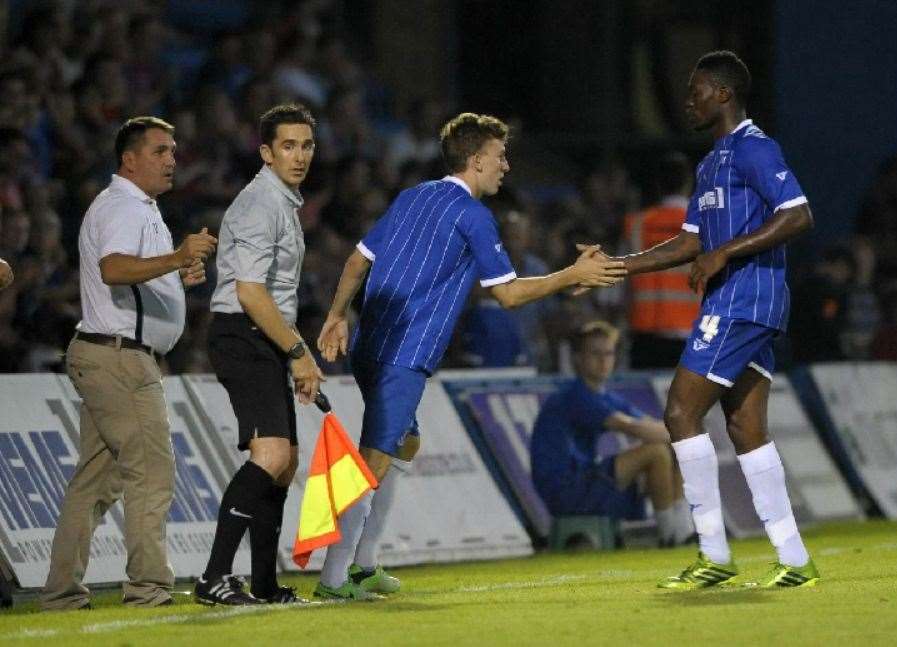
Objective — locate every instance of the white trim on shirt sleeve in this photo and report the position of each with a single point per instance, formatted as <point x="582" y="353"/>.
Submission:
<point x="690" y="227"/>
<point x="498" y="280"/>
<point x="368" y="254"/>
<point x="791" y="203"/>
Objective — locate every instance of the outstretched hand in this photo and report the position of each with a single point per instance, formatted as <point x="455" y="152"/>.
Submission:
<point x="596" y="269"/>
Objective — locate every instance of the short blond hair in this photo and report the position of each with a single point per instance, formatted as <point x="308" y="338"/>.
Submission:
<point x="596" y="328"/>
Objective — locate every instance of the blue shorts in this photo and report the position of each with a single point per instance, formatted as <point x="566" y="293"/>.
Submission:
<point x="594" y="491"/>
<point x="391" y="395"/>
<point x="721" y="348"/>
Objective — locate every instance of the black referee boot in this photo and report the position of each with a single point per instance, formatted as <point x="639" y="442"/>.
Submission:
<point x="283" y="595"/>
<point x="226" y="590"/>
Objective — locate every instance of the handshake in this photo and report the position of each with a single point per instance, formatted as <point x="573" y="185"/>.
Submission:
<point x="595" y="269"/>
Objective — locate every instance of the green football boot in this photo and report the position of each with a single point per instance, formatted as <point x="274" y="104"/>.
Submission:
<point x="783" y="576"/>
<point x="348" y="591"/>
<point x="377" y="582"/>
<point x="700" y="575"/>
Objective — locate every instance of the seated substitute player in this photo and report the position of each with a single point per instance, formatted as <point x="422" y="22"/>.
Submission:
<point x="424" y="254"/>
<point x="566" y="472"/>
<point x="747" y="204"/>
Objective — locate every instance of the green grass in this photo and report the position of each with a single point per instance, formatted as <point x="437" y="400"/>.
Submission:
<point x="551" y="599"/>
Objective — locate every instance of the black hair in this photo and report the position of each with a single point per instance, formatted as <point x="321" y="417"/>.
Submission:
<point x="285" y="113"/>
<point x="728" y="70"/>
<point x="132" y="132"/>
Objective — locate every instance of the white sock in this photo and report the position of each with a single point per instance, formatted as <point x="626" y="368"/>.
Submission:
<point x="366" y="553"/>
<point x="766" y="477"/>
<point x="339" y="555"/>
<point x="666" y="525"/>
<point x="700" y="479"/>
<point x="684" y="528"/>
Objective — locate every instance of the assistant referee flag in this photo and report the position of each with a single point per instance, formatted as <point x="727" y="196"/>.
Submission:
<point x="337" y="478"/>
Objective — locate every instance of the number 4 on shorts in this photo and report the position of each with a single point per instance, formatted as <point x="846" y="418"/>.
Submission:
<point x="710" y="327"/>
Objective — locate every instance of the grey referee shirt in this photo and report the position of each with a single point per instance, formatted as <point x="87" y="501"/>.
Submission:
<point x="261" y="241"/>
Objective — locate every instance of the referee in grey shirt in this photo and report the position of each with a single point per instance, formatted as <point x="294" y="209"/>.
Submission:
<point x="132" y="300"/>
<point x="255" y="349"/>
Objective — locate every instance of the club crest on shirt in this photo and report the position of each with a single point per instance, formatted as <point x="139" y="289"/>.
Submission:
<point x="782" y="175"/>
<point x="498" y="247"/>
<point x="712" y="199"/>
<point x="699" y="345"/>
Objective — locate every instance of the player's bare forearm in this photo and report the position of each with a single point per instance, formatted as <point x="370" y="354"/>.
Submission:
<point x="521" y="291"/>
<point x="682" y="249"/>
<point x="784" y="226"/>
<point x="354" y="271"/>
<point x="592" y="269"/>
<point x="121" y="269"/>
<point x="258" y="304"/>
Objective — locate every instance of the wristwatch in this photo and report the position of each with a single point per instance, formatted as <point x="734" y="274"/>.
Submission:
<point x="297" y="350"/>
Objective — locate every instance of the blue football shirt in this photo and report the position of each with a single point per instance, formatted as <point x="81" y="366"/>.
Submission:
<point x="564" y="444"/>
<point x="740" y="184"/>
<point x="427" y="250"/>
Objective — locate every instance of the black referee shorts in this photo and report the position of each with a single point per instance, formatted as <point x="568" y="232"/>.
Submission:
<point x="256" y="375"/>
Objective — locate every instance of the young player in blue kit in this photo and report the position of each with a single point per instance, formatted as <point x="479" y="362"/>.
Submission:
<point x="747" y="204"/>
<point x="423" y="255"/>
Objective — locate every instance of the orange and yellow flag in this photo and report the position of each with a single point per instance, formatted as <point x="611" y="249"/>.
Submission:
<point x="337" y="478"/>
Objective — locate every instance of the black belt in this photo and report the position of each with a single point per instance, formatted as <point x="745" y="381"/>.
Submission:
<point x="114" y="341"/>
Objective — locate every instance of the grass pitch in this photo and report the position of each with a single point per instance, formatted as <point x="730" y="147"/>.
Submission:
<point x="552" y="599"/>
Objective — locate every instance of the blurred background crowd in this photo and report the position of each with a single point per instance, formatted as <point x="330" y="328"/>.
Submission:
<point x="72" y="71"/>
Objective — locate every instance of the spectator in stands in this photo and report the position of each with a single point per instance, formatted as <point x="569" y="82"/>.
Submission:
<point x="863" y="311"/>
<point x="878" y="219"/>
<point x="416" y="142"/>
<point x="568" y="472"/>
<point x="884" y="345"/>
<point x="819" y="309"/>
<point x="662" y="308"/>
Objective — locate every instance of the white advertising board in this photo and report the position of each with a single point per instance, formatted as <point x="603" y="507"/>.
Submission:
<point x="862" y="404"/>
<point x="816" y="488"/>
<point x="447" y="508"/>
<point x="38" y="455"/>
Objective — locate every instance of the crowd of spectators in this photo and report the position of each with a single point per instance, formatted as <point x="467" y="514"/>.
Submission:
<point x="72" y="72"/>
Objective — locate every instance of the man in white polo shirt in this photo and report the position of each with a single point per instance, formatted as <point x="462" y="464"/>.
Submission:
<point x="132" y="298"/>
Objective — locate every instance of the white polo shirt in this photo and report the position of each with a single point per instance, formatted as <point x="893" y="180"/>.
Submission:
<point x="123" y="219"/>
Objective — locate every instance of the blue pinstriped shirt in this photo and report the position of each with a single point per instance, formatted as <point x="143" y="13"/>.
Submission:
<point x="427" y="250"/>
<point x="740" y="184"/>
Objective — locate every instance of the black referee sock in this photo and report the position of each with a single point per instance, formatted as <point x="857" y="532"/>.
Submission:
<point x="264" y="535"/>
<point x="245" y="494"/>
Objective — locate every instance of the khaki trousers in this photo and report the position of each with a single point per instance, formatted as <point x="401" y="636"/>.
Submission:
<point x="125" y="453"/>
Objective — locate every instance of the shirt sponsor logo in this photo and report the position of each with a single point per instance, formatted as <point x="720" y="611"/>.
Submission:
<point x="712" y="200"/>
<point x="782" y="175"/>
<point x="498" y="247"/>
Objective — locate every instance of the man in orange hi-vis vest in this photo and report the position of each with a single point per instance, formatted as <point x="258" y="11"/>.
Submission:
<point x="662" y="308"/>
